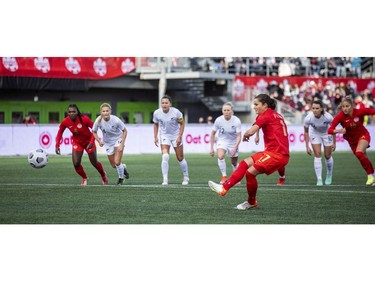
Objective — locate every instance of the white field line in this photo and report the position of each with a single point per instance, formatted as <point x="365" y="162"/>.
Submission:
<point x="200" y="186"/>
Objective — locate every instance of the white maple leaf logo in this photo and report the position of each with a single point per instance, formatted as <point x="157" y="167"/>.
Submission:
<point x="127" y="66"/>
<point x="42" y="64"/>
<point x="261" y="85"/>
<point x="72" y="65"/>
<point x="10" y="63"/>
<point x="100" y="67"/>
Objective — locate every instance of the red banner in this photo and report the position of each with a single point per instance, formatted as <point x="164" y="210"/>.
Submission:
<point x="260" y="83"/>
<point x="67" y="67"/>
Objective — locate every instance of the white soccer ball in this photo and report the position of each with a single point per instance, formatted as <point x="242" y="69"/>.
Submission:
<point x="38" y="158"/>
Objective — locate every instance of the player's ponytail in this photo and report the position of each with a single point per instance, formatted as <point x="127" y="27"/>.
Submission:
<point x="264" y="98"/>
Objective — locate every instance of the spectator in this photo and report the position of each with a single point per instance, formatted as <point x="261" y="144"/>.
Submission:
<point x="338" y="96"/>
<point x="356" y="66"/>
<point x="349" y="91"/>
<point x="315" y="66"/>
<point x="29" y="120"/>
<point x="340" y="67"/>
<point x="331" y="67"/>
<point x="306" y="65"/>
<point x="285" y="68"/>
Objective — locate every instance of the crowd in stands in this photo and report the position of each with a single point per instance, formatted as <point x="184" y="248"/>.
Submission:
<point x="283" y="66"/>
<point x="299" y="97"/>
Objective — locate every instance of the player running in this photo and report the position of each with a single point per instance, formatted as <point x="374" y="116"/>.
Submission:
<point x="83" y="139"/>
<point x="114" y="136"/>
<point x="228" y="129"/>
<point x="351" y="120"/>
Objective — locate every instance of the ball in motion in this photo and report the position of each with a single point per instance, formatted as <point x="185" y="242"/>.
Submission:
<point x="37" y="158"/>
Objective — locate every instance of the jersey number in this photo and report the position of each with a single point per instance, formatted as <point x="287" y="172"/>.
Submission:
<point x="284" y="127"/>
<point x="264" y="158"/>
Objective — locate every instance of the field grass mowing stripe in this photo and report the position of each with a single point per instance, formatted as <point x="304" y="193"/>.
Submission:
<point x="264" y="187"/>
<point x="324" y="190"/>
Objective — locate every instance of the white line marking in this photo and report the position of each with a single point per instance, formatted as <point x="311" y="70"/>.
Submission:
<point x="262" y="187"/>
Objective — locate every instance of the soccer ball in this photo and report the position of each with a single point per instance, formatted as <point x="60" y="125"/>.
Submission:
<point x="37" y="158"/>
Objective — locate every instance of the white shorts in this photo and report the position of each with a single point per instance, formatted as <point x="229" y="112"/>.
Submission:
<point x="228" y="147"/>
<point x="169" y="140"/>
<point x="326" y="140"/>
<point x="110" y="148"/>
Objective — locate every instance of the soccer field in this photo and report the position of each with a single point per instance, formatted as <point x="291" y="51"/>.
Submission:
<point x="52" y="195"/>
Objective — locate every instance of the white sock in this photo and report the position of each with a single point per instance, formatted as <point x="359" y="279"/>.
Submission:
<point x="120" y="171"/>
<point x="222" y="167"/>
<point x="165" y="165"/>
<point x="184" y="168"/>
<point x="329" y="165"/>
<point x="318" y="167"/>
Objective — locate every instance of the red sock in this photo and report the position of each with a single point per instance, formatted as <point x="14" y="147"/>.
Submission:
<point x="282" y="172"/>
<point x="252" y="187"/>
<point x="237" y="175"/>
<point x="80" y="171"/>
<point x="365" y="162"/>
<point x="100" y="169"/>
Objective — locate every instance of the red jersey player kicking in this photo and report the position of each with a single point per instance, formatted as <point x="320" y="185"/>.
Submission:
<point x="274" y="157"/>
<point x="83" y="139"/>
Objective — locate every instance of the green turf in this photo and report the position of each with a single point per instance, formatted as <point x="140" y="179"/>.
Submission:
<point x="52" y="195"/>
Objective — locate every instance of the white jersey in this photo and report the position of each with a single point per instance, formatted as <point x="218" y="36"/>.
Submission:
<point x="227" y="129"/>
<point x="168" y="122"/>
<point x="112" y="129"/>
<point x="319" y="126"/>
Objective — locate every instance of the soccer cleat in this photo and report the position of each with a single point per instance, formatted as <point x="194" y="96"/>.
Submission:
<point x="328" y="180"/>
<point x="185" y="181"/>
<point x="120" y="182"/>
<point x="84" y="181"/>
<point x="218" y="188"/>
<point x="223" y="179"/>
<point x="165" y="182"/>
<point x="105" y="179"/>
<point x="319" y="182"/>
<point x="125" y="171"/>
<point x="370" y="180"/>
<point x="280" y="181"/>
<point x="246" y="205"/>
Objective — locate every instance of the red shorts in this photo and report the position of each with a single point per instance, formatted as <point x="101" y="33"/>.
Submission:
<point x="80" y="148"/>
<point x="353" y="145"/>
<point x="269" y="162"/>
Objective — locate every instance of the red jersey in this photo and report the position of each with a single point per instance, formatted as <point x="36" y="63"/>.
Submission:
<point x="80" y="130"/>
<point x="353" y="124"/>
<point x="275" y="133"/>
